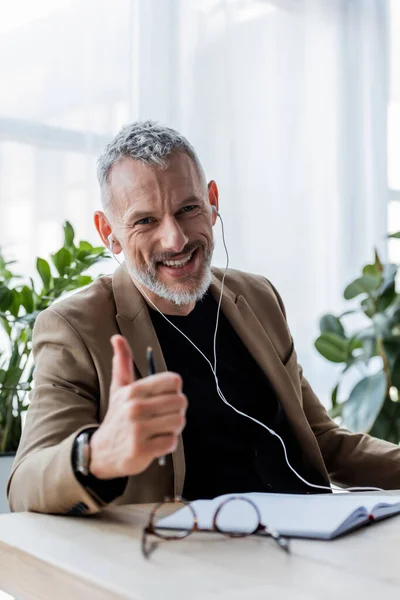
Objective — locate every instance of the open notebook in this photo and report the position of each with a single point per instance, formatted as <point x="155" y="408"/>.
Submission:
<point x="319" y="516"/>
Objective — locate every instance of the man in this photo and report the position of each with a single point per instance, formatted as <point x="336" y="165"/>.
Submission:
<point x="97" y="423"/>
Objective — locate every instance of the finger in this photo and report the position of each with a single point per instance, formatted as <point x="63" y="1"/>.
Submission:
<point x="164" y="425"/>
<point x="161" y="445"/>
<point x="122" y="363"/>
<point x="156" y="385"/>
<point x="166" y="404"/>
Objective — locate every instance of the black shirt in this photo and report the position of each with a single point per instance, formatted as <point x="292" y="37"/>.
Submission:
<point x="226" y="452"/>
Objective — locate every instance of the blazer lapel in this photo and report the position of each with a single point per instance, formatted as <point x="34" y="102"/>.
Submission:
<point x="136" y="326"/>
<point x="258" y="343"/>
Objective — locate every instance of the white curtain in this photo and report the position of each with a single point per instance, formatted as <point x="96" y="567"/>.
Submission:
<point x="66" y="73"/>
<point x="284" y="100"/>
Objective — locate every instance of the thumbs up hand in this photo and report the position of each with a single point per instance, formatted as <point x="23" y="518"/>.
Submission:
<point x="143" y="421"/>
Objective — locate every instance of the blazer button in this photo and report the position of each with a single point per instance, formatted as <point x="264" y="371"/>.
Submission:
<point x="269" y="487"/>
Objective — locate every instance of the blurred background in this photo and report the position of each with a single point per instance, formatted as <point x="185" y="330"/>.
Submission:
<point x="292" y="105"/>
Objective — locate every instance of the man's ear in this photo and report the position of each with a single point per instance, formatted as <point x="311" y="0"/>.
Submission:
<point x="104" y="229"/>
<point x="213" y="197"/>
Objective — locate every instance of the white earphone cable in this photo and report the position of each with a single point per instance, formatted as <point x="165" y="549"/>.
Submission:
<point x="214" y="369"/>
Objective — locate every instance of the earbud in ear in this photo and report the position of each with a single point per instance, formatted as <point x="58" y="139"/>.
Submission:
<point x="214" y="209"/>
<point x="111" y="241"/>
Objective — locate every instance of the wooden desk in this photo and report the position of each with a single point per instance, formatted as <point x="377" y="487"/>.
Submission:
<point x="99" y="558"/>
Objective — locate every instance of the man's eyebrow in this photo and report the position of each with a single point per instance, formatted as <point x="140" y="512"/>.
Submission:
<point x="136" y="215"/>
<point x="189" y="200"/>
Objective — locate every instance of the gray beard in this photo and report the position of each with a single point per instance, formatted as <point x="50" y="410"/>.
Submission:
<point x="167" y="292"/>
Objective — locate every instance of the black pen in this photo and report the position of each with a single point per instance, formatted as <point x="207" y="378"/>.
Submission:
<point x="151" y="370"/>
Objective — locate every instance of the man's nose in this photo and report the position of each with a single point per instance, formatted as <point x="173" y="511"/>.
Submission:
<point x="173" y="238"/>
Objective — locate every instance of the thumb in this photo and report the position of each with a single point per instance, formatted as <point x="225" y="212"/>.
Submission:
<point x="122" y="364"/>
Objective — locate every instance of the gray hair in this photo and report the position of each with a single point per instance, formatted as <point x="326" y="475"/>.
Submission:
<point x="147" y="142"/>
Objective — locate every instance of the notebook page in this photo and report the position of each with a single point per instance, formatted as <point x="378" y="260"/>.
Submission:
<point x="370" y="501"/>
<point x="317" y="515"/>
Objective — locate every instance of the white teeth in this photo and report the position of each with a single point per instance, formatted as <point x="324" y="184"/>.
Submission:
<point x="177" y="263"/>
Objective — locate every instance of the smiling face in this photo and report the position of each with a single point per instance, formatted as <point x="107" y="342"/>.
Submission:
<point x="163" y="221"/>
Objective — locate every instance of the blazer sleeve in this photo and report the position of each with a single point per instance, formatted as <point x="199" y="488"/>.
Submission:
<point x="351" y="459"/>
<point x="64" y="402"/>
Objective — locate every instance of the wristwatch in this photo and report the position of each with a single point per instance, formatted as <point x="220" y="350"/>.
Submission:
<point x="81" y="454"/>
<point x="102" y="490"/>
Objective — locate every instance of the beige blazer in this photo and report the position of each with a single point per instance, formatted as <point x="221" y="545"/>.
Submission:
<point x="73" y="354"/>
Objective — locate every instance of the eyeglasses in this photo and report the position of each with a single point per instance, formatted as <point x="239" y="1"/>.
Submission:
<point x="162" y="526"/>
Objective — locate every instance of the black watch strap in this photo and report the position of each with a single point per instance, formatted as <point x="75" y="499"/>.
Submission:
<point x="103" y="491"/>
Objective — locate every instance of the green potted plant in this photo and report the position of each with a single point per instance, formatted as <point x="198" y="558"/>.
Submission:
<point x="373" y="404"/>
<point x="21" y="301"/>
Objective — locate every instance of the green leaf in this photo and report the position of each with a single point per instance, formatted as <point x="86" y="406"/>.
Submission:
<point x="368" y="306"/>
<point x="347" y="312"/>
<point x="100" y="251"/>
<point x="88" y="260"/>
<point x="6" y="326"/>
<point x="387" y="424"/>
<point x="12" y="377"/>
<point x="61" y="260"/>
<point x="394" y="311"/>
<point x="26" y="297"/>
<point x="69" y="235"/>
<point x="43" y="269"/>
<point x="334" y="395"/>
<point x="6" y="277"/>
<point x="331" y="324"/>
<point x="391" y="347"/>
<point x="370" y="348"/>
<point x="15" y="304"/>
<point x="355" y="344"/>
<point x="83" y="280"/>
<point x="395" y="236"/>
<point x="372" y="270"/>
<point x="380" y="427"/>
<point x="389" y="276"/>
<point x="336" y="411"/>
<point x="85" y="245"/>
<point x="395" y="373"/>
<point x="6" y="298"/>
<point x="364" y="285"/>
<point x="378" y="262"/>
<point x="365" y="402"/>
<point x="333" y="347"/>
<point x="30" y="318"/>
<point x="388" y="297"/>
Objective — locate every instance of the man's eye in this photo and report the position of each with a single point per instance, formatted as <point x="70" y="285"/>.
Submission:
<point x="144" y="221"/>
<point x="189" y="208"/>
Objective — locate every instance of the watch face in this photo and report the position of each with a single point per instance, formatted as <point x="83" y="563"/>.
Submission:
<point x="82" y="458"/>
